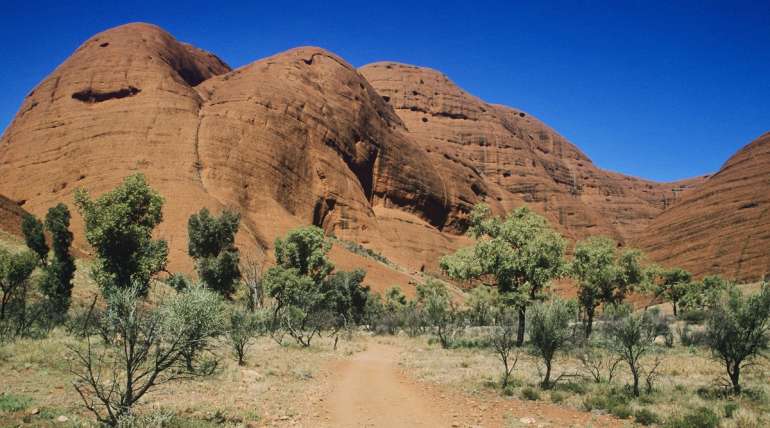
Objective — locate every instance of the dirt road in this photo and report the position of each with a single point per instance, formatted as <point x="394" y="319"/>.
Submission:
<point x="369" y="389"/>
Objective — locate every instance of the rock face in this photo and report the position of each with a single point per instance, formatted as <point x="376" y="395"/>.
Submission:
<point x="723" y="226"/>
<point x="11" y="216"/>
<point x="390" y="156"/>
<point x="507" y="157"/>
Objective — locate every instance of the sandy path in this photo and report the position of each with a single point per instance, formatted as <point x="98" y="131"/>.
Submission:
<point x="369" y="389"/>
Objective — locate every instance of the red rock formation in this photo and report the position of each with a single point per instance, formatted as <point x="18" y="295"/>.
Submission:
<point x="723" y="226"/>
<point x="510" y="157"/>
<point x="303" y="138"/>
<point x="11" y="215"/>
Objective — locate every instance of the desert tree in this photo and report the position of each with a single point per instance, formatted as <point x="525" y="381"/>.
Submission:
<point x="140" y="349"/>
<point x="347" y="298"/>
<point x="297" y="284"/>
<point x="211" y="243"/>
<point x="737" y="331"/>
<point x="119" y="226"/>
<point x="243" y="328"/>
<point x="604" y="274"/>
<point x="670" y="284"/>
<point x="519" y="254"/>
<point x="56" y="282"/>
<point x="631" y="336"/>
<point x="34" y="237"/>
<point x="439" y="310"/>
<point x="503" y="338"/>
<point x="550" y="332"/>
<point x="15" y="270"/>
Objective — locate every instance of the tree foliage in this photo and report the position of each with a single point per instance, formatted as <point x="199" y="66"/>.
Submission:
<point x="520" y="254"/>
<point x="119" y="225"/>
<point x="604" y="274"/>
<point x="631" y="337"/>
<point x="56" y="282"/>
<point x="737" y="330"/>
<point x="549" y="331"/>
<point x="32" y="229"/>
<point x="212" y="246"/>
<point x="15" y="269"/>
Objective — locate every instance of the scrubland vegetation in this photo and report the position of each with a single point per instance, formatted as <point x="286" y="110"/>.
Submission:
<point x="135" y="345"/>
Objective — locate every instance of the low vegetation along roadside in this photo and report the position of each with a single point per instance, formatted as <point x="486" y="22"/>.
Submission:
<point x="120" y="341"/>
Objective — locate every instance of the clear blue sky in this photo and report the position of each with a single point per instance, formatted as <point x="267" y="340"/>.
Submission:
<point x="658" y="89"/>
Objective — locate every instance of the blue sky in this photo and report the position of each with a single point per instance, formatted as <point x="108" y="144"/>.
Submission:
<point x="662" y="90"/>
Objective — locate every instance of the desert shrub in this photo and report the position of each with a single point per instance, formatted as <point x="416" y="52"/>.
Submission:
<point x="211" y="243"/>
<point x="646" y="417"/>
<point x="607" y="399"/>
<point x="356" y="248"/>
<point x="702" y="417"/>
<point x="242" y="329"/>
<point x="504" y="341"/>
<point x="204" y="313"/>
<point x="13" y="402"/>
<point x="15" y="314"/>
<point x="530" y="393"/>
<point x="440" y="312"/>
<point x="557" y="397"/>
<point x="482" y="303"/>
<point x="630" y="337"/>
<point x="743" y="418"/>
<point x="688" y="336"/>
<point x="140" y="349"/>
<point x="730" y="408"/>
<point x="597" y="362"/>
<point x="119" y="226"/>
<point x="737" y="331"/>
<point x="549" y="332"/>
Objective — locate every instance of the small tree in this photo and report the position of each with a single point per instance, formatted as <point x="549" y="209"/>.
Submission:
<point x="298" y="284"/>
<point x="504" y="342"/>
<point x="671" y="284"/>
<point x="737" y="331"/>
<point x="347" y="298"/>
<point x="243" y="328"/>
<point x="56" y="282"/>
<point x="205" y="312"/>
<point x="549" y="332"/>
<point x="604" y="275"/>
<point x="119" y="227"/>
<point x="440" y="312"/>
<point x="630" y="337"/>
<point x="32" y="228"/>
<point x="520" y="255"/>
<point x="212" y="246"/>
<point x="15" y="270"/>
<point x="141" y="349"/>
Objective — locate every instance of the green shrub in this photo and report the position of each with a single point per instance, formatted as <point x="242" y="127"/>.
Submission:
<point x="646" y="417"/>
<point x="702" y="417"/>
<point x="622" y="411"/>
<point x="13" y="403"/>
<point x="730" y="409"/>
<point x="557" y="397"/>
<point x="529" y="393"/>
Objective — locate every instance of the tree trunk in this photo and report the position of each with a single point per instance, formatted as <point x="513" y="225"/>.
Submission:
<point x="589" y="322"/>
<point x="673" y="303"/>
<point x="635" y="373"/>
<point x="735" y="376"/>
<point x="547" y="379"/>
<point x="522" y="325"/>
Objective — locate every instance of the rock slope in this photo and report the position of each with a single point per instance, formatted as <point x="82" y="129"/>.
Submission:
<point x="722" y="227"/>
<point x="390" y="156"/>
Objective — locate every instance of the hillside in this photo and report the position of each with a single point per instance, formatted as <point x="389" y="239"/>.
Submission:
<point x="390" y="156"/>
<point x="723" y="226"/>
